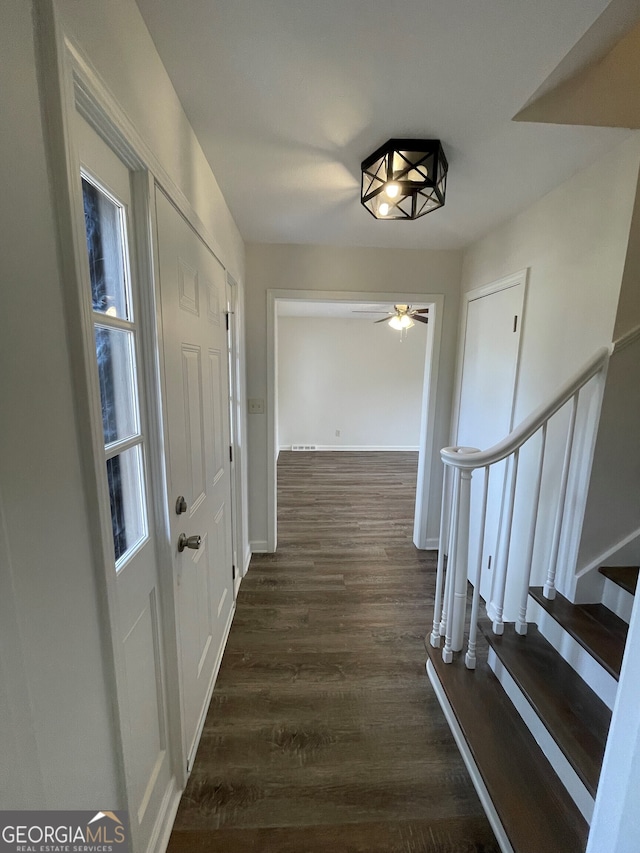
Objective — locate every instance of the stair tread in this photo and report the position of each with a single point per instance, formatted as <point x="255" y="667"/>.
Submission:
<point x="534" y="808"/>
<point x="594" y="626"/>
<point x="624" y="576"/>
<point x="575" y="716"/>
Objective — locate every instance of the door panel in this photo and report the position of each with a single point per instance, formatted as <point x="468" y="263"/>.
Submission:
<point x="192" y="294"/>
<point x="489" y="371"/>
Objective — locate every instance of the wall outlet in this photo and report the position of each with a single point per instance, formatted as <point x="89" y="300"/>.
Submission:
<point x="256" y="407"/>
<point x="337" y="433"/>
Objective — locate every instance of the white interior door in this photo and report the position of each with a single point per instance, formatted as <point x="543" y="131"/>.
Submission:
<point x="489" y="371"/>
<point x="113" y="294"/>
<point x="193" y="303"/>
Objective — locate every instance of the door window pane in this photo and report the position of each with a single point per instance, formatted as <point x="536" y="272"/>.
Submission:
<point x="117" y="374"/>
<point x="104" y="224"/>
<point x="126" y="495"/>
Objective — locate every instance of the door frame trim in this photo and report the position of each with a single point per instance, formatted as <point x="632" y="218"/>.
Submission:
<point x="428" y="457"/>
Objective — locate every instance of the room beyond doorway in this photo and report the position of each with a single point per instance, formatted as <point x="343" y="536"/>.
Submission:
<point x="428" y="457"/>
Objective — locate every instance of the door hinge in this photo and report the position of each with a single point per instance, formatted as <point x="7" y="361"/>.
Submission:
<point x="233" y="570"/>
<point x="515" y="322"/>
<point x="226" y="319"/>
<point x="230" y="453"/>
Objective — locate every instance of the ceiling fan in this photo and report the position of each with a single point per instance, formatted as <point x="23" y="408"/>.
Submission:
<point x="402" y="316"/>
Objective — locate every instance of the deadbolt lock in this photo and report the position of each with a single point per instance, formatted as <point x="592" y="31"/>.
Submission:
<point x="185" y="541"/>
<point x="181" y="505"/>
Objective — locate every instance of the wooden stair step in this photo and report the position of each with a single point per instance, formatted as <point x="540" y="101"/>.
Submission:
<point x="575" y="716"/>
<point x="624" y="576"/>
<point x="534" y="808"/>
<point x="594" y="626"/>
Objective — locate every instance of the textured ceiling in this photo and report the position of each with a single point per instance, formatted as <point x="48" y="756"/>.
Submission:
<point x="288" y="96"/>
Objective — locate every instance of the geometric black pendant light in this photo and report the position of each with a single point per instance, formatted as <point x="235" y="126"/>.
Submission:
<point x="404" y="179"/>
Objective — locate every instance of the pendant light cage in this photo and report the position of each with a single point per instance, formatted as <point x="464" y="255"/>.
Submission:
<point x="404" y="179"/>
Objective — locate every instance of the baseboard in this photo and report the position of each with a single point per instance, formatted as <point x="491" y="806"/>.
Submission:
<point x="601" y="559"/>
<point x="247" y="560"/>
<point x="259" y="546"/>
<point x="166" y="818"/>
<point x="472" y="767"/>
<point x="358" y="448"/>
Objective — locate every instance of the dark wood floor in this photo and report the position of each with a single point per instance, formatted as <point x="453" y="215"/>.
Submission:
<point x="323" y="734"/>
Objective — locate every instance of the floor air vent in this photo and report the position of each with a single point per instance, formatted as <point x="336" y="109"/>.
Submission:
<point x="304" y="447"/>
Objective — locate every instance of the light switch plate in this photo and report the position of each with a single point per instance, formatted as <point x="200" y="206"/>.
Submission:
<point x="256" y="407"/>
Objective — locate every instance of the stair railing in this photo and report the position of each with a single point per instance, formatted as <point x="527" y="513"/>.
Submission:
<point x="455" y="562"/>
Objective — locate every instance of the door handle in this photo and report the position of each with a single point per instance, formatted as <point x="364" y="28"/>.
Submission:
<point x="192" y="542"/>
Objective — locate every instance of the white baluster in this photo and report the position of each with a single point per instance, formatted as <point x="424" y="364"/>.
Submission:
<point x="447" y="651"/>
<point x="549" y="589"/>
<point x="453" y="483"/>
<point x="435" y="632"/>
<point x="501" y="573"/>
<point x="462" y="562"/>
<point x="470" y="657"/>
<point x="521" y="621"/>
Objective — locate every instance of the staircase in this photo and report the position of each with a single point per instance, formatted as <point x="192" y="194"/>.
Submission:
<point x="531" y="719"/>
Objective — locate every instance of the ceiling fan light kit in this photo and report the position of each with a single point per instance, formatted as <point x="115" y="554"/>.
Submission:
<point x="404" y="179"/>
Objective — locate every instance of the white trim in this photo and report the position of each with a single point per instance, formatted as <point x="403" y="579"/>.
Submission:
<point x="617" y="599"/>
<point x="428" y="460"/>
<point x="472" y="767"/>
<point x="432" y="543"/>
<point x="554" y="755"/>
<point x="627" y="339"/>
<point x="609" y="552"/>
<point x="247" y="560"/>
<point x="259" y="546"/>
<point x="357" y="448"/>
<point x="596" y="676"/>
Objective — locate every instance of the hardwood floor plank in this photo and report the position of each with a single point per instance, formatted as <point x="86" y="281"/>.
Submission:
<point x="323" y="732"/>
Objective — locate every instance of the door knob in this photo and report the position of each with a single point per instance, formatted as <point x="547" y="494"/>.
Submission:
<point x="185" y="541"/>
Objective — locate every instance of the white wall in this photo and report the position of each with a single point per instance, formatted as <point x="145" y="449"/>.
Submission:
<point x="353" y="376"/>
<point x="53" y="659"/>
<point x="323" y="268"/>
<point x="574" y="242"/>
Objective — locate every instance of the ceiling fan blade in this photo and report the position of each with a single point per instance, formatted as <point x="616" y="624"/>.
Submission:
<point x="384" y="320"/>
<point x="360" y="311"/>
<point x="419" y="311"/>
<point x="420" y="319"/>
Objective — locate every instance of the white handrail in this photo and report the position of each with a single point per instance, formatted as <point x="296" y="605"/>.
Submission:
<point x="462" y="462"/>
<point x="457" y="458"/>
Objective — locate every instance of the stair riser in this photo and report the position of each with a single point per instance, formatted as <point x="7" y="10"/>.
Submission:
<point x="596" y="676"/>
<point x="565" y="772"/>
<point x="617" y="599"/>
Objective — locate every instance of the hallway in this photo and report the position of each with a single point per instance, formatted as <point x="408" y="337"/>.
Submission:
<point x="323" y="733"/>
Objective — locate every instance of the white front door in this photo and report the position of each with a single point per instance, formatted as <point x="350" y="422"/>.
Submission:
<point x="489" y="370"/>
<point x="113" y="295"/>
<point x="193" y="305"/>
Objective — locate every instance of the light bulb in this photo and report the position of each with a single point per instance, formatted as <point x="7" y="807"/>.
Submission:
<point x="383" y="209"/>
<point x="392" y="190"/>
<point x="406" y="322"/>
<point x="396" y="323"/>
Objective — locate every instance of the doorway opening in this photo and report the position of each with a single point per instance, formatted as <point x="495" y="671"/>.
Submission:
<point x="342" y="304"/>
